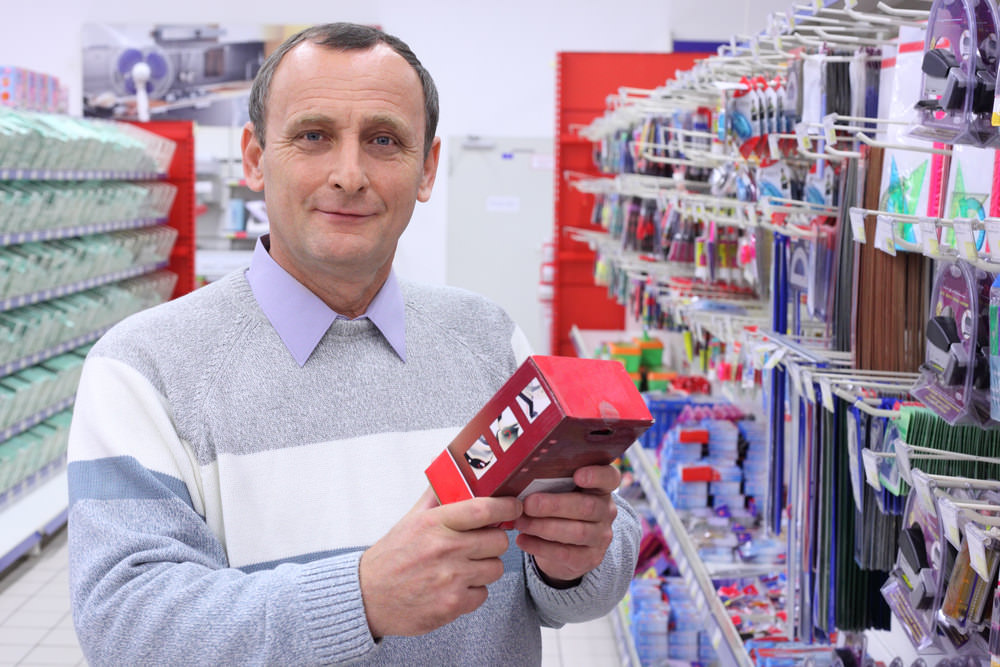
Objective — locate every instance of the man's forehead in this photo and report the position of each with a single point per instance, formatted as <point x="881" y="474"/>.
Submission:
<point x="371" y="73"/>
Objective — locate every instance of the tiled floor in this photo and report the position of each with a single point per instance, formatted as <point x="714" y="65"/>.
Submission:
<point x="36" y="628"/>
<point x="35" y="623"/>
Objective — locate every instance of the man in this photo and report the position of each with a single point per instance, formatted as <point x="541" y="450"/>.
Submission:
<point x="246" y="462"/>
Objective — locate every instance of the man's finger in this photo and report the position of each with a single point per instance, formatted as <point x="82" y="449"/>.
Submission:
<point x="600" y="479"/>
<point x="480" y="513"/>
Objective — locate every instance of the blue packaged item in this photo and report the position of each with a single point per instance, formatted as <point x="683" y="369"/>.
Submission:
<point x="665" y="410"/>
<point x="649" y="621"/>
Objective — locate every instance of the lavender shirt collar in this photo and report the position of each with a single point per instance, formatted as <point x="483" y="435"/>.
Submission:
<point x="301" y="318"/>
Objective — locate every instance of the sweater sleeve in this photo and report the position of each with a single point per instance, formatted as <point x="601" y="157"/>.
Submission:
<point x="149" y="578"/>
<point x="600" y="589"/>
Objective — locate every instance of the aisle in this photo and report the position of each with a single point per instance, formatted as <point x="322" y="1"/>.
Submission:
<point x="36" y="627"/>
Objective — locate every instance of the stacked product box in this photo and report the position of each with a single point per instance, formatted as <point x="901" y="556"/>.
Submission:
<point x="685" y="480"/>
<point x="756" y="459"/>
<point x="649" y="620"/>
<point x="27" y="89"/>
<point x="687" y="639"/>
<point x="700" y="466"/>
<point x="714" y="463"/>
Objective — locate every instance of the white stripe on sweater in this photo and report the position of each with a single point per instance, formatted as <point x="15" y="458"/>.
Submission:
<point x="117" y="407"/>
<point x="383" y="473"/>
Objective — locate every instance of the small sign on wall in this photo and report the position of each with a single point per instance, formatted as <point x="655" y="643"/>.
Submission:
<point x="503" y="204"/>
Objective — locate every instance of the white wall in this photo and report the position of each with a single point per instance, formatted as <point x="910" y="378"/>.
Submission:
<point x="493" y="61"/>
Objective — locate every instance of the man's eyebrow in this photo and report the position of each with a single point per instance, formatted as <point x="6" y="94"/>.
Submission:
<point x="390" y="122"/>
<point x="310" y="120"/>
<point x="378" y="120"/>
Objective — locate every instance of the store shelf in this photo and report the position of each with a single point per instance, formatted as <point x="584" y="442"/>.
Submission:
<point x="626" y="647"/>
<point x="8" y="174"/>
<point x="34" y="509"/>
<point x="586" y="342"/>
<point x="72" y="288"/>
<point x="720" y="629"/>
<point x="38" y="505"/>
<point x="61" y="348"/>
<point x="13" y="238"/>
<point x="35" y="419"/>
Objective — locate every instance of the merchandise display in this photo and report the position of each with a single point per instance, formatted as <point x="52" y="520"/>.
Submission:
<point x="94" y="225"/>
<point x="809" y="215"/>
<point x="801" y="234"/>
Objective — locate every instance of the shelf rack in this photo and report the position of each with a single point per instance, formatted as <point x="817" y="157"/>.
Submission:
<point x="619" y="625"/>
<point x="726" y="641"/>
<point x="38" y="505"/>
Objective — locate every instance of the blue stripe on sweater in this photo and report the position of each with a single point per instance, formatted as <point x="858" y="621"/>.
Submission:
<point x="122" y="478"/>
<point x="300" y="559"/>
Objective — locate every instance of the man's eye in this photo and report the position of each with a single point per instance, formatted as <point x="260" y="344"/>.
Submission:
<point x="312" y="136"/>
<point x="384" y="141"/>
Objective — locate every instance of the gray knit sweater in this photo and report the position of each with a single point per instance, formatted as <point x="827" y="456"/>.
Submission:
<point x="221" y="495"/>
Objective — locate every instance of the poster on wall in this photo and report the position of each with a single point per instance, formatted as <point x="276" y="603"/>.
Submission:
<point x="200" y="72"/>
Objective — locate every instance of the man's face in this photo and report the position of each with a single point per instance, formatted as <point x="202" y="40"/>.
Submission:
<point x="343" y="161"/>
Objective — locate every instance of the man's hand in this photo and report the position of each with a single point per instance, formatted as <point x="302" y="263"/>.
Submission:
<point x="568" y="533"/>
<point x="434" y="565"/>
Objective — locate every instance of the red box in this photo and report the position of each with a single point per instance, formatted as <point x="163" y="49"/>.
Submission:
<point x="554" y="415"/>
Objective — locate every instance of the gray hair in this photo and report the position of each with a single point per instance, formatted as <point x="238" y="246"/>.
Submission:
<point x="342" y="37"/>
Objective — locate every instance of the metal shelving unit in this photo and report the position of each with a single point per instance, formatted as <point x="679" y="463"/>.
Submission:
<point x="37" y="506"/>
<point x="626" y="647"/>
<point x="725" y="639"/>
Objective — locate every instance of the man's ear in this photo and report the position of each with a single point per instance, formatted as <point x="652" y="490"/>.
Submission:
<point x="253" y="155"/>
<point x="429" y="171"/>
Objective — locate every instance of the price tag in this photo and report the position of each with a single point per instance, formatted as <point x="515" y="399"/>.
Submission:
<point x="904" y="468"/>
<point x="852" y="458"/>
<point x="976" y="538"/>
<point x="870" y="462"/>
<point x="922" y="484"/>
<point x="929" y="238"/>
<point x="772" y="146"/>
<point x="858" y="224"/>
<point x="775" y="358"/>
<point x="795" y="373"/>
<point x="765" y="208"/>
<point x="885" y="235"/>
<point x="748" y="378"/>
<point x="965" y="239"/>
<point x="807" y="384"/>
<point x="829" y="132"/>
<point x="826" y="391"/>
<point x="993" y="237"/>
<point x="948" y="512"/>
<point x="760" y="354"/>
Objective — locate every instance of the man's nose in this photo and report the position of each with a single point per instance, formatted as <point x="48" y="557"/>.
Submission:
<point x="347" y="169"/>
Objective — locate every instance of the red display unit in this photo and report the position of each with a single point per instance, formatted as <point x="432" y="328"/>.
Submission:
<point x="584" y="82"/>
<point x="182" y="214"/>
<point x="553" y="416"/>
